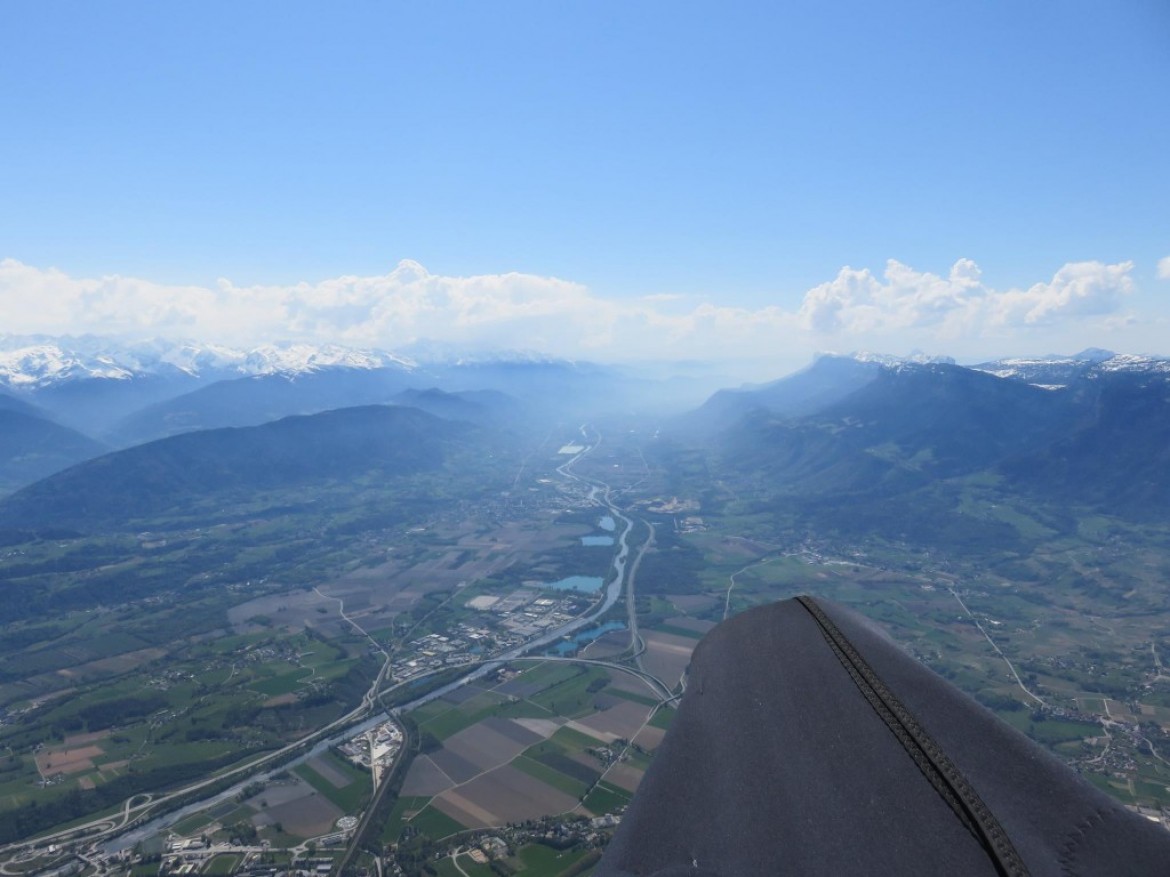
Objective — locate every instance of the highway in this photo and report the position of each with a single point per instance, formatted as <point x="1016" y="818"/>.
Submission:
<point x="138" y="809"/>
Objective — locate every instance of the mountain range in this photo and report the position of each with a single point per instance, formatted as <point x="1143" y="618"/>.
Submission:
<point x="93" y="383"/>
<point x="1090" y="429"/>
<point x="898" y="447"/>
<point x="38" y="361"/>
<point x="127" y="393"/>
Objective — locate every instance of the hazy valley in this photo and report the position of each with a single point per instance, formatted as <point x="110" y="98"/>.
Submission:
<point x="219" y="568"/>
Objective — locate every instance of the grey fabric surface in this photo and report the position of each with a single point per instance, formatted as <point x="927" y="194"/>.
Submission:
<point x="777" y="764"/>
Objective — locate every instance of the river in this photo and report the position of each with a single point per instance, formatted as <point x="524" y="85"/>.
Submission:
<point x="598" y="494"/>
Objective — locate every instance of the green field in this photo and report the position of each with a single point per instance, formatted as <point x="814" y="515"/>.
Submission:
<point x="436" y="823"/>
<point x="474" y="869"/>
<point x="397" y="818"/>
<point x="192" y="825"/>
<point x="538" y="860"/>
<point x="1054" y="731"/>
<point x="456" y="719"/>
<point x="285" y="683"/>
<point x="466" y="714"/>
<point x="571" y="697"/>
<point x="605" y="798"/>
<point x="221" y="866"/>
<point x="663" y="717"/>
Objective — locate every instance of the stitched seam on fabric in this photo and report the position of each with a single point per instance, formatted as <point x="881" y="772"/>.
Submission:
<point x="922" y="748"/>
<point x="909" y="744"/>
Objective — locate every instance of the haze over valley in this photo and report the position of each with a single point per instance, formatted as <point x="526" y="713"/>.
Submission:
<point x="254" y="557"/>
<point x="392" y="398"/>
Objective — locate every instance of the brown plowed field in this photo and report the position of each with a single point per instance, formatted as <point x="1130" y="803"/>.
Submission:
<point x="650" y="737"/>
<point x="667" y="655"/>
<point x="510" y="795"/>
<point x="484" y="747"/>
<point x="696" y="624"/>
<point x="624" y="776"/>
<point x="622" y="720"/>
<point x="68" y="760"/>
<point x="425" y="778"/>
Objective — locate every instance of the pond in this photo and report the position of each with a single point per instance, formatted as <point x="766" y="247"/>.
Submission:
<point x="577" y="583"/>
<point x="597" y="540"/>
<point x="607" y="523"/>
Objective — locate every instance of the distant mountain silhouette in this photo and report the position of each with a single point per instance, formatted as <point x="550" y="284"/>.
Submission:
<point x="251" y="401"/>
<point x="555" y="388"/>
<point x="470" y="406"/>
<point x="827" y="380"/>
<point x="174" y="473"/>
<point x="95" y="405"/>
<point x="11" y="403"/>
<point x="32" y="447"/>
<point x="542" y="387"/>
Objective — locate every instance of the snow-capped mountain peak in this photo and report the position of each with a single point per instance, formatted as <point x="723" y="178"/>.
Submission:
<point x="35" y="362"/>
<point x="300" y="358"/>
<point x="890" y="360"/>
<point x="1132" y="362"/>
<point x="1054" y="372"/>
<point x="32" y="365"/>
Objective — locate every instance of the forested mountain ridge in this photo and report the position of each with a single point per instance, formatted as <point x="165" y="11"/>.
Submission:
<point x="169" y="474"/>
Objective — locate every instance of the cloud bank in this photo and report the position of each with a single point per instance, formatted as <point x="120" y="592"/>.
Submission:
<point x="857" y="302"/>
<point x="901" y="307"/>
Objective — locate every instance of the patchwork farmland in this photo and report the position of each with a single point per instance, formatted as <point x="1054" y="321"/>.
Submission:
<point x="555" y="738"/>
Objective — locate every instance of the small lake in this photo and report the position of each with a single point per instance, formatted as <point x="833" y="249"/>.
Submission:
<point x="586" y="636"/>
<point x="607" y="524"/>
<point x="597" y="540"/>
<point x="577" y="583"/>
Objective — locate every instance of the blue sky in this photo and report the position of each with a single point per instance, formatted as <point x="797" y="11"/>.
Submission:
<point x="726" y="160"/>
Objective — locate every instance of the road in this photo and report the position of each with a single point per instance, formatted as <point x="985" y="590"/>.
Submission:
<point x="637" y="644"/>
<point x="138" y="809"/>
<point x="1159" y="670"/>
<point x="455" y="861"/>
<point x="987" y="636"/>
<point x="731" y="582"/>
<point x="660" y="689"/>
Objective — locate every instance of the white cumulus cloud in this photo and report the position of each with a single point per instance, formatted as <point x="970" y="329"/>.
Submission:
<point x="392" y="311"/>
<point x="898" y="309"/>
<point x="1164" y="268"/>
<point x="857" y="302"/>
